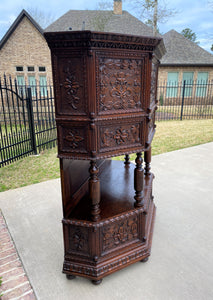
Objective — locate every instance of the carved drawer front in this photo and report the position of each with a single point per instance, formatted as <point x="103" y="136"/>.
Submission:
<point x="119" y="84"/>
<point x="121" y="136"/>
<point x="119" y="234"/>
<point x="72" y="90"/>
<point x="72" y="139"/>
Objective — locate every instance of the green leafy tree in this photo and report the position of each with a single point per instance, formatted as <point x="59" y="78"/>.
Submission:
<point x="150" y="24"/>
<point x="212" y="47"/>
<point x="190" y="35"/>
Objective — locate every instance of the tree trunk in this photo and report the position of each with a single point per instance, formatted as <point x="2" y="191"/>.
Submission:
<point x="155" y="17"/>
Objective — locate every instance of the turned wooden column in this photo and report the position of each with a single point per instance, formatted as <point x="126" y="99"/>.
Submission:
<point x="94" y="191"/>
<point x="138" y="180"/>
<point x="147" y="159"/>
<point x="126" y="158"/>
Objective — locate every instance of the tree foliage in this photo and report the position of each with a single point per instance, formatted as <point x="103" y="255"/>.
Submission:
<point x="212" y="47"/>
<point x="190" y="35"/>
<point x="42" y="18"/>
<point x="103" y="15"/>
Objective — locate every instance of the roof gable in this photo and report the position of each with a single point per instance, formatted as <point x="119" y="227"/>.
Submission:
<point x="16" y="23"/>
<point x="125" y="23"/>
<point x="181" y="51"/>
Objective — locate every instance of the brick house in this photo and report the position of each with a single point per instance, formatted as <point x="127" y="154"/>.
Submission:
<point x="184" y="61"/>
<point x="24" y="53"/>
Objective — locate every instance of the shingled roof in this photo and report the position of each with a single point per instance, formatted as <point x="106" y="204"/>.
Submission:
<point x="181" y="51"/>
<point x="124" y="23"/>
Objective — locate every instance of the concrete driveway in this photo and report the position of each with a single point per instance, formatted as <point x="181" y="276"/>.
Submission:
<point x="181" y="263"/>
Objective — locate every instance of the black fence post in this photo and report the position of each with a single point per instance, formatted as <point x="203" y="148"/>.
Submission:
<point x="182" y="104"/>
<point x="31" y="120"/>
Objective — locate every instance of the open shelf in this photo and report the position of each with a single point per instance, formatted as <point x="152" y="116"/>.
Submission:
<point x="117" y="189"/>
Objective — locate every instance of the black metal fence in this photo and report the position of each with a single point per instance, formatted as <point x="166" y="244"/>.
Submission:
<point x="185" y="100"/>
<point x="27" y="114"/>
<point x="27" y="120"/>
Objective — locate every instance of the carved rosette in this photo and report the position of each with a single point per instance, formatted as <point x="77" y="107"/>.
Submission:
<point x="118" y="136"/>
<point x="119" y="233"/>
<point x="74" y="138"/>
<point x="119" y="84"/>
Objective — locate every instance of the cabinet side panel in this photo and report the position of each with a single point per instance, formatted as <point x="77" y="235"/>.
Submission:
<point x="71" y="82"/>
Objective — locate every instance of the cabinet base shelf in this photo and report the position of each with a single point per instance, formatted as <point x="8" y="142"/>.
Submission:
<point x="123" y="237"/>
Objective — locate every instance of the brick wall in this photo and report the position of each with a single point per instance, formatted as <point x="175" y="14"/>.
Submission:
<point x="15" y="283"/>
<point x="25" y="47"/>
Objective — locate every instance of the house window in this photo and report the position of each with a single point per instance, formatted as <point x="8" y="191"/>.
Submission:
<point x="32" y="84"/>
<point x="21" y="84"/>
<point x="30" y="69"/>
<point x="172" y="84"/>
<point x="188" y="78"/>
<point x="42" y="69"/>
<point x="43" y="85"/>
<point x="20" y="80"/>
<point x="202" y="80"/>
<point x="19" y="69"/>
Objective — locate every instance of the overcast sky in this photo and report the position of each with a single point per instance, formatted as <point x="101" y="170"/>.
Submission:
<point x="194" y="14"/>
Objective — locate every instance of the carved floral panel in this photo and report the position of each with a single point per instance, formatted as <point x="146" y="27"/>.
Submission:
<point x="119" y="233"/>
<point x="116" y="136"/>
<point x="72" y="139"/>
<point x="72" y="86"/>
<point x="119" y="83"/>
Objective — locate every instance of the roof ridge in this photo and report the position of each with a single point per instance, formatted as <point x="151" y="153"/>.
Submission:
<point x="182" y="51"/>
<point x="17" y="21"/>
<point x="189" y="41"/>
<point x="125" y="23"/>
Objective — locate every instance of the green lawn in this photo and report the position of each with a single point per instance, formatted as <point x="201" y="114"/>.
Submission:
<point x="189" y="111"/>
<point x="170" y="136"/>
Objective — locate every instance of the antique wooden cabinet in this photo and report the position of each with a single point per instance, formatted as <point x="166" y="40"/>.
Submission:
<point x="105" y="97"/>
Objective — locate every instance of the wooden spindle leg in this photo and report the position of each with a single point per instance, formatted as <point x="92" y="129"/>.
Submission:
<point x="147" y="159"/>
<point x="126" y="162"/>
<point x="138" y="181"/>
<point x="94" y="191"/>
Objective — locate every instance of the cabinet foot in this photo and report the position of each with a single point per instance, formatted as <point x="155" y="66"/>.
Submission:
<point x="145" y="260"/>
<point x="70" y="277"/>
<point x="96" y="282"/>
